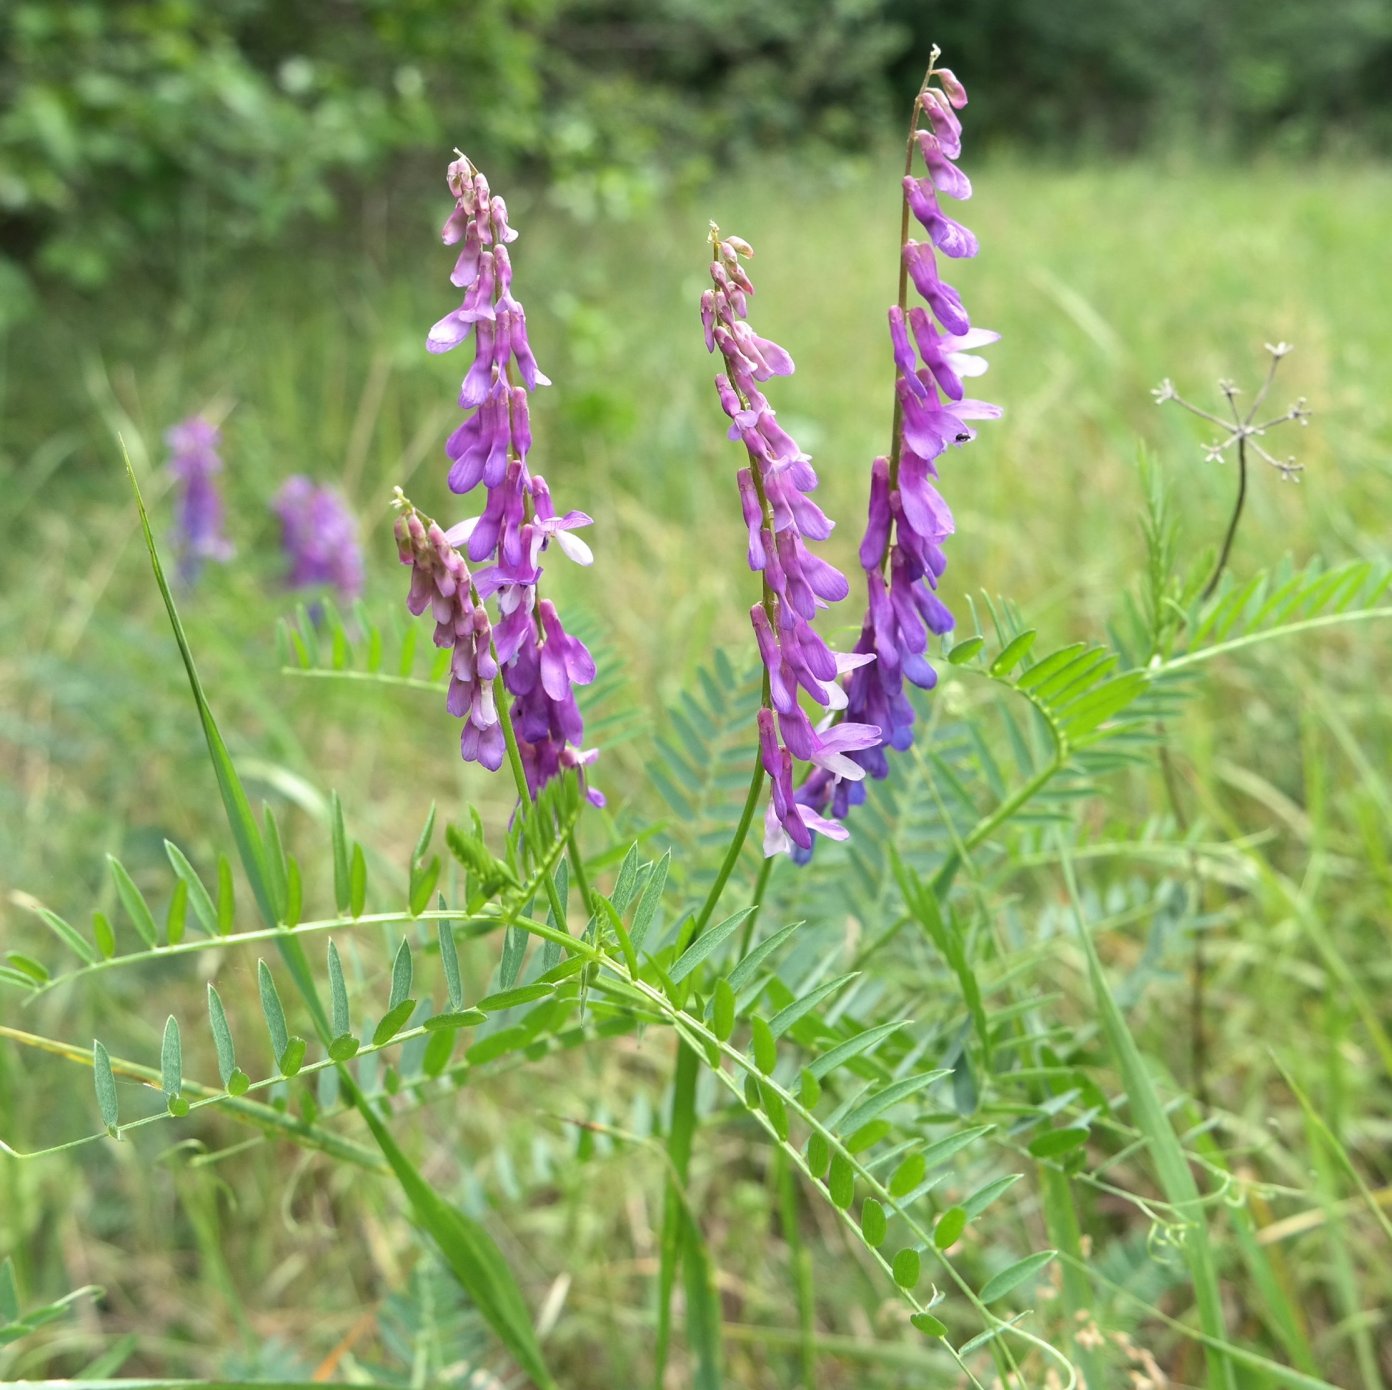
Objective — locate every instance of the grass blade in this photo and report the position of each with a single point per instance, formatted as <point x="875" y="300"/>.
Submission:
<point x="245" y="832"/>
<point x="1171" y="1166"/>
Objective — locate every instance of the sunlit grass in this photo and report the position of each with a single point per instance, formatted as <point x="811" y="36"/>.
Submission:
<point x="1102" y="281"/>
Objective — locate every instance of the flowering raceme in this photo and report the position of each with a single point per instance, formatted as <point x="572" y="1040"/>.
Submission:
<point x="781" y="518"/>
<point x="319" y="537"/>
<point x="909" y="522"/>
<point x="194" y="461"/>
<point x="538" y="661"/>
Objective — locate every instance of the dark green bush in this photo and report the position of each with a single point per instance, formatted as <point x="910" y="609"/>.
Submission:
<point x="129" y="129"/>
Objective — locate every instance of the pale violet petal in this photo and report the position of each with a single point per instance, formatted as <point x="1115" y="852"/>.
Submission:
<point x="575" y="548"/>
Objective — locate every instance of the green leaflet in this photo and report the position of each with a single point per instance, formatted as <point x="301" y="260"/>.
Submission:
<point x="706" y="944"/>
<point x="891" y="1095"/>
<point x="1014" y="1275"/>
<point x="340" y="1022"/>
<point x="449" y="963"/>
<point x="401" y="975"/>
<point x="273" y="1010"/>
<point x="133" y="900"/>
<point x="171" y="1059"/>
<point x="222" y="1037"/>
<point x="106" y="1088"/>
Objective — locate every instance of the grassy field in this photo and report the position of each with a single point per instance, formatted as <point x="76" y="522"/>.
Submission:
<point x="220" y="1257"/>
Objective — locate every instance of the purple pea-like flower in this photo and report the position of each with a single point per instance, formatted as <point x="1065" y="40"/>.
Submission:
<point x="780" y="518"/>
<point x="198" y="514"/>
<point x="441" y="583"/>
<point x="538" y="661"/>
<point x="319" y="536"/>
<point x="908" y="519"/>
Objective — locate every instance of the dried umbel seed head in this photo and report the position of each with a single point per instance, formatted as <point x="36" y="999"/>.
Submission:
<point x="1244" y="431"/>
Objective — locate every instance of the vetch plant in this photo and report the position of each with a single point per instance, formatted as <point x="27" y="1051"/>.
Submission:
<point x="528" y="650"/>
<point x="902" y="552"/>
<point x="195" y="462"/>
<point x="780" y="518"/>
<point x="319" y="537"/>
<point x="858" y="1045"/>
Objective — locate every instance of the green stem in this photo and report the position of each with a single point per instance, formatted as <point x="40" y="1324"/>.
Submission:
<point x="903" y="298"/>
<point x="760" y="884"/>
<point x="1232" y="525"/>
<point x="524" y="792"/>
<point x="677" y="1225"/>
<point x="751" y="804"/>
<point x="986" y="827"/>
<point x="581" y="882"/>
<point x="947" y="870"/>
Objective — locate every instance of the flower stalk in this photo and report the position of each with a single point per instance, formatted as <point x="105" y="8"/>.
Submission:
<point x="902" y="553"/>
<point x="780" y="518"/>
<point x="525" y="664"/>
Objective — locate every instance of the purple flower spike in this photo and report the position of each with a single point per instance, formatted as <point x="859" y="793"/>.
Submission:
<point x="440" y="581"/>
<point x="780" y="518"/>
<point x="194" y="461"/>
<point x="319" y="537"/>
<point x="539" y="662"/>
<point x="908" y="520"/>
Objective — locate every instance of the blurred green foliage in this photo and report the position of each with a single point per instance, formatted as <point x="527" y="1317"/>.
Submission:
<point x="1287" y="77"/>
<point x="126" y="127"/>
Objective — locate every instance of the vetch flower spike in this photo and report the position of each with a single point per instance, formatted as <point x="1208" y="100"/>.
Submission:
<point x="441" y="583"/>
<point x="198" y="517"/>
<point x="909" y="521"/>
<point x="539" y="661"/>
<point x="319" y="536"/>
<point x="780" y="518"/>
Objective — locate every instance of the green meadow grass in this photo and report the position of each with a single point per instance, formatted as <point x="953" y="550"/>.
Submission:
<point x="1102" y="281"/>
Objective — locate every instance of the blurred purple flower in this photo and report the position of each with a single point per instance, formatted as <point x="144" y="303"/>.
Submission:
<point x="780" y="517"/>
<point x="539" y="661"/>
<point x="198" y="511"/>
<point x="909" y="522"/>
<point x="319" y="537"/>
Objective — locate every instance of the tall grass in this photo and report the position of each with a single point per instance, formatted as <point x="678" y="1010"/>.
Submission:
<point x="1102" y="281"/>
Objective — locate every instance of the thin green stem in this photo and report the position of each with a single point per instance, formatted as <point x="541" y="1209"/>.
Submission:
<point x="751" y="804"/>
<point x="1198" y="1039"/>
<point x="988" y="825"/>
<point x="524" y="792"/>
<point x="581" y="881"/>
<point x="1232" y="524"/>
<point x="903" y="296"/>
<point x="760" y="884"/>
